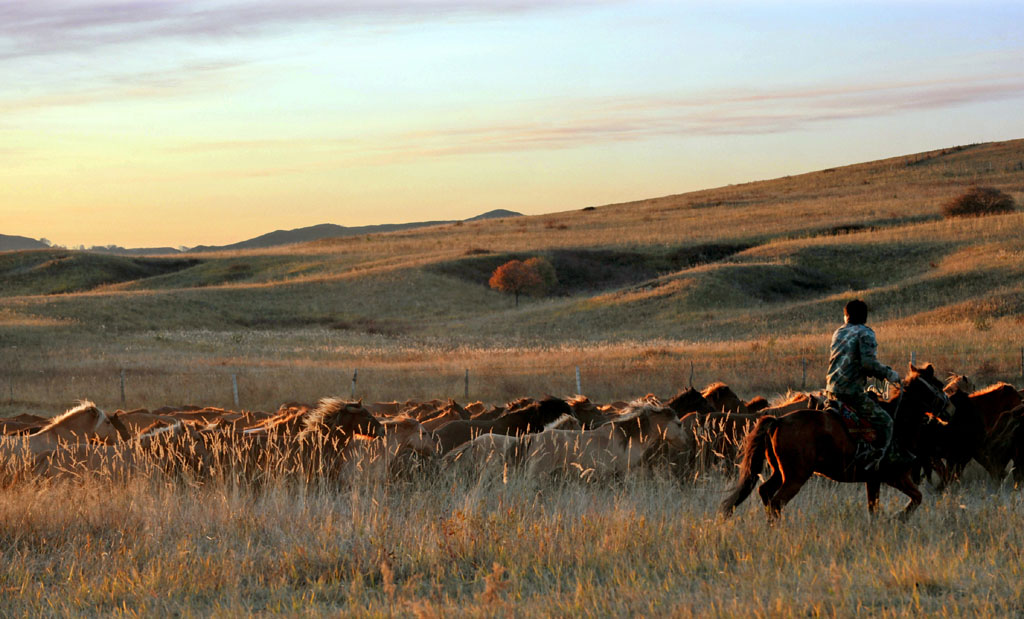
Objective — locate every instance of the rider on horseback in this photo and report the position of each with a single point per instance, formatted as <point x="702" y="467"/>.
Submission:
<point x="851" y="362"/>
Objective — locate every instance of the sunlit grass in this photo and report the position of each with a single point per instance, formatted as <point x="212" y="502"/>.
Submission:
<point x="452" y="545"/>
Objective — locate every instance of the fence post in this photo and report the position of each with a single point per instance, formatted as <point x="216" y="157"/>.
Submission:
<point x="913" y="357"/>
<point x="803" y="383"/>
<point x="122" y="389"/>
<point x="234" y="388"/>
<point x="355" y="376"/>
<point x="691" y="375"/>
<point x="579" y="388"/>
<point x="467" y="385"/>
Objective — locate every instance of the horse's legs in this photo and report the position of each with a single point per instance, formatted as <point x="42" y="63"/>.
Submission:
<point x="906" y="485"/>
<point x="874" y="488"/>
<point x="790" y="486"/>
<point x="948" y="473"/>
<point x="770" y="487"/>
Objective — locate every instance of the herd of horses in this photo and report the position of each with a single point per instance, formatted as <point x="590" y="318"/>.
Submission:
<point x="942" y="424"/>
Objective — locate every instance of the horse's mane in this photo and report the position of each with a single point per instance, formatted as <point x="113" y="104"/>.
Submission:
<point x="564" y="419"/>
<point x="549" y="408"/>
<point x="519" y="403"/>
<point x="82" y="406"/>
<point x="994" y="388"/>
<point x="325" y="414"/>
<point x="635" y="422"/>
<point x="716" y="389"/>
<point x="758" y="402"/>
<point x="793" y="397"/>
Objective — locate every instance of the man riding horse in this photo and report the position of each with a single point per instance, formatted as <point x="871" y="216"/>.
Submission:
<point x="852" y="361"/>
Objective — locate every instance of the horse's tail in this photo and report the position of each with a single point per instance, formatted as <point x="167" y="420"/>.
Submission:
<point x="751" y="463"/>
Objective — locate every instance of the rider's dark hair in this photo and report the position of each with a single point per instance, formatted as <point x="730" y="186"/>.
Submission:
<point x="856" y="312"/>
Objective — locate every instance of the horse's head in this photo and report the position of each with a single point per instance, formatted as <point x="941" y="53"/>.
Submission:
<point x="407" y="434"/>
<point x="958" y="382"/>
<point x="85" y="421"/>
<point x="926" y="390"/>
<point x="645" y="424"/>
<point x="333" y="415"/>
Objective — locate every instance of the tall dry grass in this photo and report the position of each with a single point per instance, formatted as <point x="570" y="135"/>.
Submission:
<point x="446" y="545"/>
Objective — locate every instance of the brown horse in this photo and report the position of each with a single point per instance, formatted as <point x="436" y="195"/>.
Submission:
<point x="963" y="438"/>
<point x="722" y="398"/>
<point x="690" y="401"/>
<point x="85" y="422"/>
<point x="525" y="420"/>
<point x="993" y="401"/>
<point x="803" y="443"/>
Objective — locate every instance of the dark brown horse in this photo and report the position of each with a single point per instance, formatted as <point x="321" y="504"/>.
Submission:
<point x="961" y="439"/>
<point x="690" y="401"/>
<point x="527" y="419"/>
<point x="803" y="443"/>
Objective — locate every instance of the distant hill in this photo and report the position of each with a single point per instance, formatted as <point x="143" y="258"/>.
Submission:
<point x="16" y="243"/>
<point x="495" y="214"/>
<point x="328" y="231"/>
<point x="271" y="239"/>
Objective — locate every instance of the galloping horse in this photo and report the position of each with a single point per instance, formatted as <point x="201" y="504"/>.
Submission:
<point x="803" y="443"/>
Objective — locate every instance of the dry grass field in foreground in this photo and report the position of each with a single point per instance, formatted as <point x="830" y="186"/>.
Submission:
<point x="447" y="545"/>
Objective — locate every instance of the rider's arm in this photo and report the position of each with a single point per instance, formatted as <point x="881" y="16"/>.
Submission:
<point x="868" y="357"/>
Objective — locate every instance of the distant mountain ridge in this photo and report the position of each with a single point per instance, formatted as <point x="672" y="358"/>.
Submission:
<point x="15" y="243"/>
<point x="271" y="239"/>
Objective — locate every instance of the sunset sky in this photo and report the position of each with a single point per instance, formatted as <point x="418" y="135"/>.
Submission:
<point x="182" y="123"/>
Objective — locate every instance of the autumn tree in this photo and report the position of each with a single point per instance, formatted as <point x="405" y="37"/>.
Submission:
<point x="534" y="276"/>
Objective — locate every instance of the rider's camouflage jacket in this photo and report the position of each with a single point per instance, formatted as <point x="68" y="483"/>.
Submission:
<point x="852" y="360"/>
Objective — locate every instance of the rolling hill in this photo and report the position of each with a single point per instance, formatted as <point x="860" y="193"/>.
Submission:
<point x="724" y="275"/>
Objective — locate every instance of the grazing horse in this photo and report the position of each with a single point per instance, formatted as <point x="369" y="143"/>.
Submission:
<point x="527" y="419"/>
<point x="803" y="443"/>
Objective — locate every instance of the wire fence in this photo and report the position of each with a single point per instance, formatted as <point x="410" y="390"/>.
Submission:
<point x="260" y="387"/>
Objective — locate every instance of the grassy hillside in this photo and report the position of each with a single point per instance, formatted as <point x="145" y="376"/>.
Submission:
<point x="722" y="277"/>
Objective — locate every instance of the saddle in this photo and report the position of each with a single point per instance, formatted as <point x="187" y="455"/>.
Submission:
<point x="859" y="428"/>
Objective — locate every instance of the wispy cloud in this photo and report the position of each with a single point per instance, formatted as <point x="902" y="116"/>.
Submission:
<point x="183" y="80"/>
<point x="606" y="121"/>
<point x="44" y="27"/>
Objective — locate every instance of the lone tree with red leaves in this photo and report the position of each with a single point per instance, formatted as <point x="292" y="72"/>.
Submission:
<point x="534" y="276"/>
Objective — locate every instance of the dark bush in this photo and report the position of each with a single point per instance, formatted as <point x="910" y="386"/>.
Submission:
<point x="979" y="201"/>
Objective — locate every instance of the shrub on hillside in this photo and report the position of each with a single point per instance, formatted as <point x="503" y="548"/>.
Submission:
<point x="535" y="276"/>
<point x="979" y="201"/>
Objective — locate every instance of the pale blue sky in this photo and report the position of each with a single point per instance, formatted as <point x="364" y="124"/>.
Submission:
<point x="184" y="123"/>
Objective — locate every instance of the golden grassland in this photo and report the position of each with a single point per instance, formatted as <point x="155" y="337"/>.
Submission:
<point x="455" y="545"/>
<point x="409" y="312"/>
